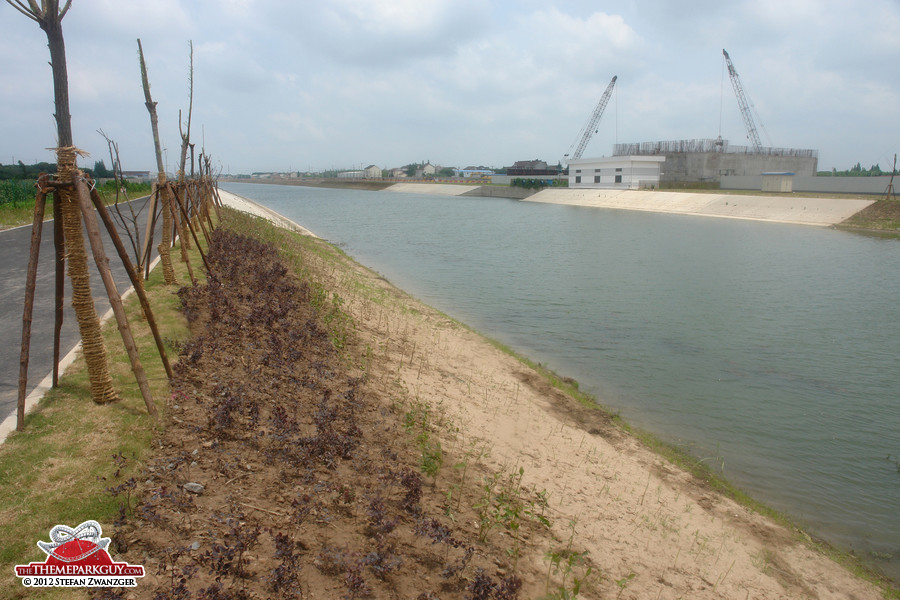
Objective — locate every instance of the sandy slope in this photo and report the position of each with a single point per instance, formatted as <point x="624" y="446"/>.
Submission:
<point x="650" y="529"/>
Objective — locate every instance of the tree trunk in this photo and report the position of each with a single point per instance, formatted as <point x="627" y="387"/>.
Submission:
<point x="115" y="300"/>
<point x="88" y="322"/>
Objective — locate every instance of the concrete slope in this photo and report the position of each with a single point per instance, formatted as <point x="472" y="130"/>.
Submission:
<point x="445" y="189"/>
<point x="780" y="209"/>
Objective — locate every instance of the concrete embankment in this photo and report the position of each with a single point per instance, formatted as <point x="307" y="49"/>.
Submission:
<point x="778" y="209"/>
<point x="452" y="189"/>
<point x="443" y="189"/>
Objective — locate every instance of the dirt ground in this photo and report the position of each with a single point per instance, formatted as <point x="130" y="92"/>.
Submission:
<point x="416" y="460"/>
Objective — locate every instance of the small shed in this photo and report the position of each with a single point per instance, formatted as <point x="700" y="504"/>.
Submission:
<point x="778" y="181"/>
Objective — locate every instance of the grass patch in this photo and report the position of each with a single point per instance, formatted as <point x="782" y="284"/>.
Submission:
<point x="882" y="216"/>
<point x="21" y="211"/>
<point x="58" y="470"/>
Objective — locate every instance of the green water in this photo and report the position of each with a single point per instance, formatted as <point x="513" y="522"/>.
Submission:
<point x="769" y="350"/>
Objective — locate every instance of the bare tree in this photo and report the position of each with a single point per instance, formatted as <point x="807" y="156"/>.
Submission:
<point x="186" y="135"/>
<point x="48" y="15"/>
<point x="128" y="222"/>
<point x="161" y="190"/>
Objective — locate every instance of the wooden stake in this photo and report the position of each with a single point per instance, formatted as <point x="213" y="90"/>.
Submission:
<point x="90" y="223"/>
<point x="198" y="212"/>
<point x="30" y="281"/>
<point x="135" y="280"/>
<point x="148" y="232"/>
<point x="59" y="245"/>
<point x="186" y="221"/>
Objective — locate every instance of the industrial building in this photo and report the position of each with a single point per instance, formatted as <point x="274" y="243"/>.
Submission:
<point x="708" y="160"/>
<point x="618" y="172"/>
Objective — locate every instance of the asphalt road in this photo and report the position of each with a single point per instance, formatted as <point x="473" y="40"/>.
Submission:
<point x="14" y="246"/>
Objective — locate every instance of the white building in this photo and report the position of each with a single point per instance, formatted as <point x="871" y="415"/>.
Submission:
<point x="372" y="172"/>
<point x="619" y="172"/>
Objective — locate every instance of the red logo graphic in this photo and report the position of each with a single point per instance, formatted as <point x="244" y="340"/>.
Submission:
<point x="78" y="558"/>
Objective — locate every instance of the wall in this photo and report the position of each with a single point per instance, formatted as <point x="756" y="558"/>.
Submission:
<point x="712" y="166"/>
<point x="826" y="185"/>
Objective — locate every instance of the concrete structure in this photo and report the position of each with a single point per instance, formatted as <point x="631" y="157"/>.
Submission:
<point x="710" y="160"/>
<point x="372" y="172"/>
<point x="351" y="175"/>
<point x="617" y="172"/>
<point x="442" y="189"/>
<point x="780" y="209"/>
<point x="823" y="185"/>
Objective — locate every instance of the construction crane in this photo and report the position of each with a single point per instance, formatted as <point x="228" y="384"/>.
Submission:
<point x="590" y="128"/>
<point x="743" y="103"/>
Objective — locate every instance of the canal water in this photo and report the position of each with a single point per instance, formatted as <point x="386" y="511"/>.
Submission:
<point x="770" y="351"/>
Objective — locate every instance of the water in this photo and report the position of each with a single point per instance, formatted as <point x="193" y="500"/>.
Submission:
<point x="769" y="350"/>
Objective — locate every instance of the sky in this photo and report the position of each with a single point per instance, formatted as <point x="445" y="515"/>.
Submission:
<point x="285" y="85"/>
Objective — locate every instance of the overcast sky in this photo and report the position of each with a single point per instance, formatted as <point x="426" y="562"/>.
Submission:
<point x="303" y="85"/>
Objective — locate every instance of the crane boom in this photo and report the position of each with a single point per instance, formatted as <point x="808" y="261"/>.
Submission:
<point x="743" y="103"/>
<point x="591" y="127"/>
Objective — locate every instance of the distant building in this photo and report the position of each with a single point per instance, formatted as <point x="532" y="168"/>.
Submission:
<point x="624" y="172"/>
<point x="473" y="171"/>
<point x="531" y="168"/>
<point x="372" y="172"/>
<point x="351" y="175"/>
<point x="426" y="169"/>
<point x="136" y="175"/>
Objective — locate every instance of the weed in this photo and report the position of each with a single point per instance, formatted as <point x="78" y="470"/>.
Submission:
<point x="502" y="505"/>
<point x="567" y="563"/>
<point x="623" y="583"/>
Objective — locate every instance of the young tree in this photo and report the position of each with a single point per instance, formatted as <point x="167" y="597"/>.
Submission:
<point x="48" y="15"/>
<point x="161" y="189"/>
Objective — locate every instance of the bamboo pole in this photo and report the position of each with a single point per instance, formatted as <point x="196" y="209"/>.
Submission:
<point x="30" y="282"/>
<point x="133" y="276"/>
<point x="93" y="231"/>
<point x="59" y="246"/>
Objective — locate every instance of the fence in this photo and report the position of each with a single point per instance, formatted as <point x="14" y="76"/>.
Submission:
<point x="704" y="146"/>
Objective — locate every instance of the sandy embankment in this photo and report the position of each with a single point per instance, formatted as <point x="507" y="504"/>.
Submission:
<point x="651" y="530"/>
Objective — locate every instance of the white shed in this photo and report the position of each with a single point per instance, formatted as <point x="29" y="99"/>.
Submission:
<point x="625" y="172"/>
<point x="779" y="181"/>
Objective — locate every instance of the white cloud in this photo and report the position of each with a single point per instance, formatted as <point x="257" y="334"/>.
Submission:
<point x="464" y="81"/>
